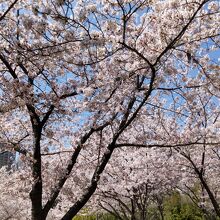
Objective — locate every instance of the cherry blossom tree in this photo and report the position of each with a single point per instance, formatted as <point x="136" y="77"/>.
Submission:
<point x="202" y="161"/>
<point x="201" y="171"/>
<point x="82" y="78"/>
<point x="144" y="181"/>
<point x="143" y="178"/>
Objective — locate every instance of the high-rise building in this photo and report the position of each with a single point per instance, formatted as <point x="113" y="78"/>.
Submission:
<point x="7" y="159"/>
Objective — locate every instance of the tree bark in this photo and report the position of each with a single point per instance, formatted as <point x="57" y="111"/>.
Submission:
<point x="36" y="191"/>
<point x="93" y="185"/>
<point x="205" y="185"/>
<point x="211" y="196"/>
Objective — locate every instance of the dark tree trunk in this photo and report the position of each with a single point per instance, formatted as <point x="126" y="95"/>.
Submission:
<point x="210" y="194"/>
<point x="36" y="191"/>
<point x="200" y="175"/>
<point x="133" y="209"/>
<point x="92" y="187"/>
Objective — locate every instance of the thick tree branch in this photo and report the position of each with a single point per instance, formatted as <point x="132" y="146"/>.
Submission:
<point x="8" y="10"/>
<point x="69" y="168"/>
<point x="204" y="183"/>
<point x="163" y="145"/>
<point x="181" y="33"/>
<point x="7" y="64"/>
<point x="47" y="115"/>
<point x="93" y="184"/>
<point x="139" y="54"/>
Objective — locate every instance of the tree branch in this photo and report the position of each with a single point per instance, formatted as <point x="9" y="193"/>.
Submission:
<point x="181" y="33"/>
<point x="7" y="11"/>
<point x="162" y="145"/>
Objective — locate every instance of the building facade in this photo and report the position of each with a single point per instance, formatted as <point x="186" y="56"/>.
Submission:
<point x="7" y="159"/>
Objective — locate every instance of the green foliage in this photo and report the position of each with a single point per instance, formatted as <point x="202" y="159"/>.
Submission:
<point x="85" y="217"/>
<point x="103" y="216"/>
<point x="175" y="207"/>
<point x="178" y="207"/>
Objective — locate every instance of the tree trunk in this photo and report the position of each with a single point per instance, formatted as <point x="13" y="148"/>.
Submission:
<point x="36" y="191"/>
<point x="92" y="187"/>
<point x="133" y="209"/>
<point x="211" y="196"/>
<point x="205" y="185"/>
